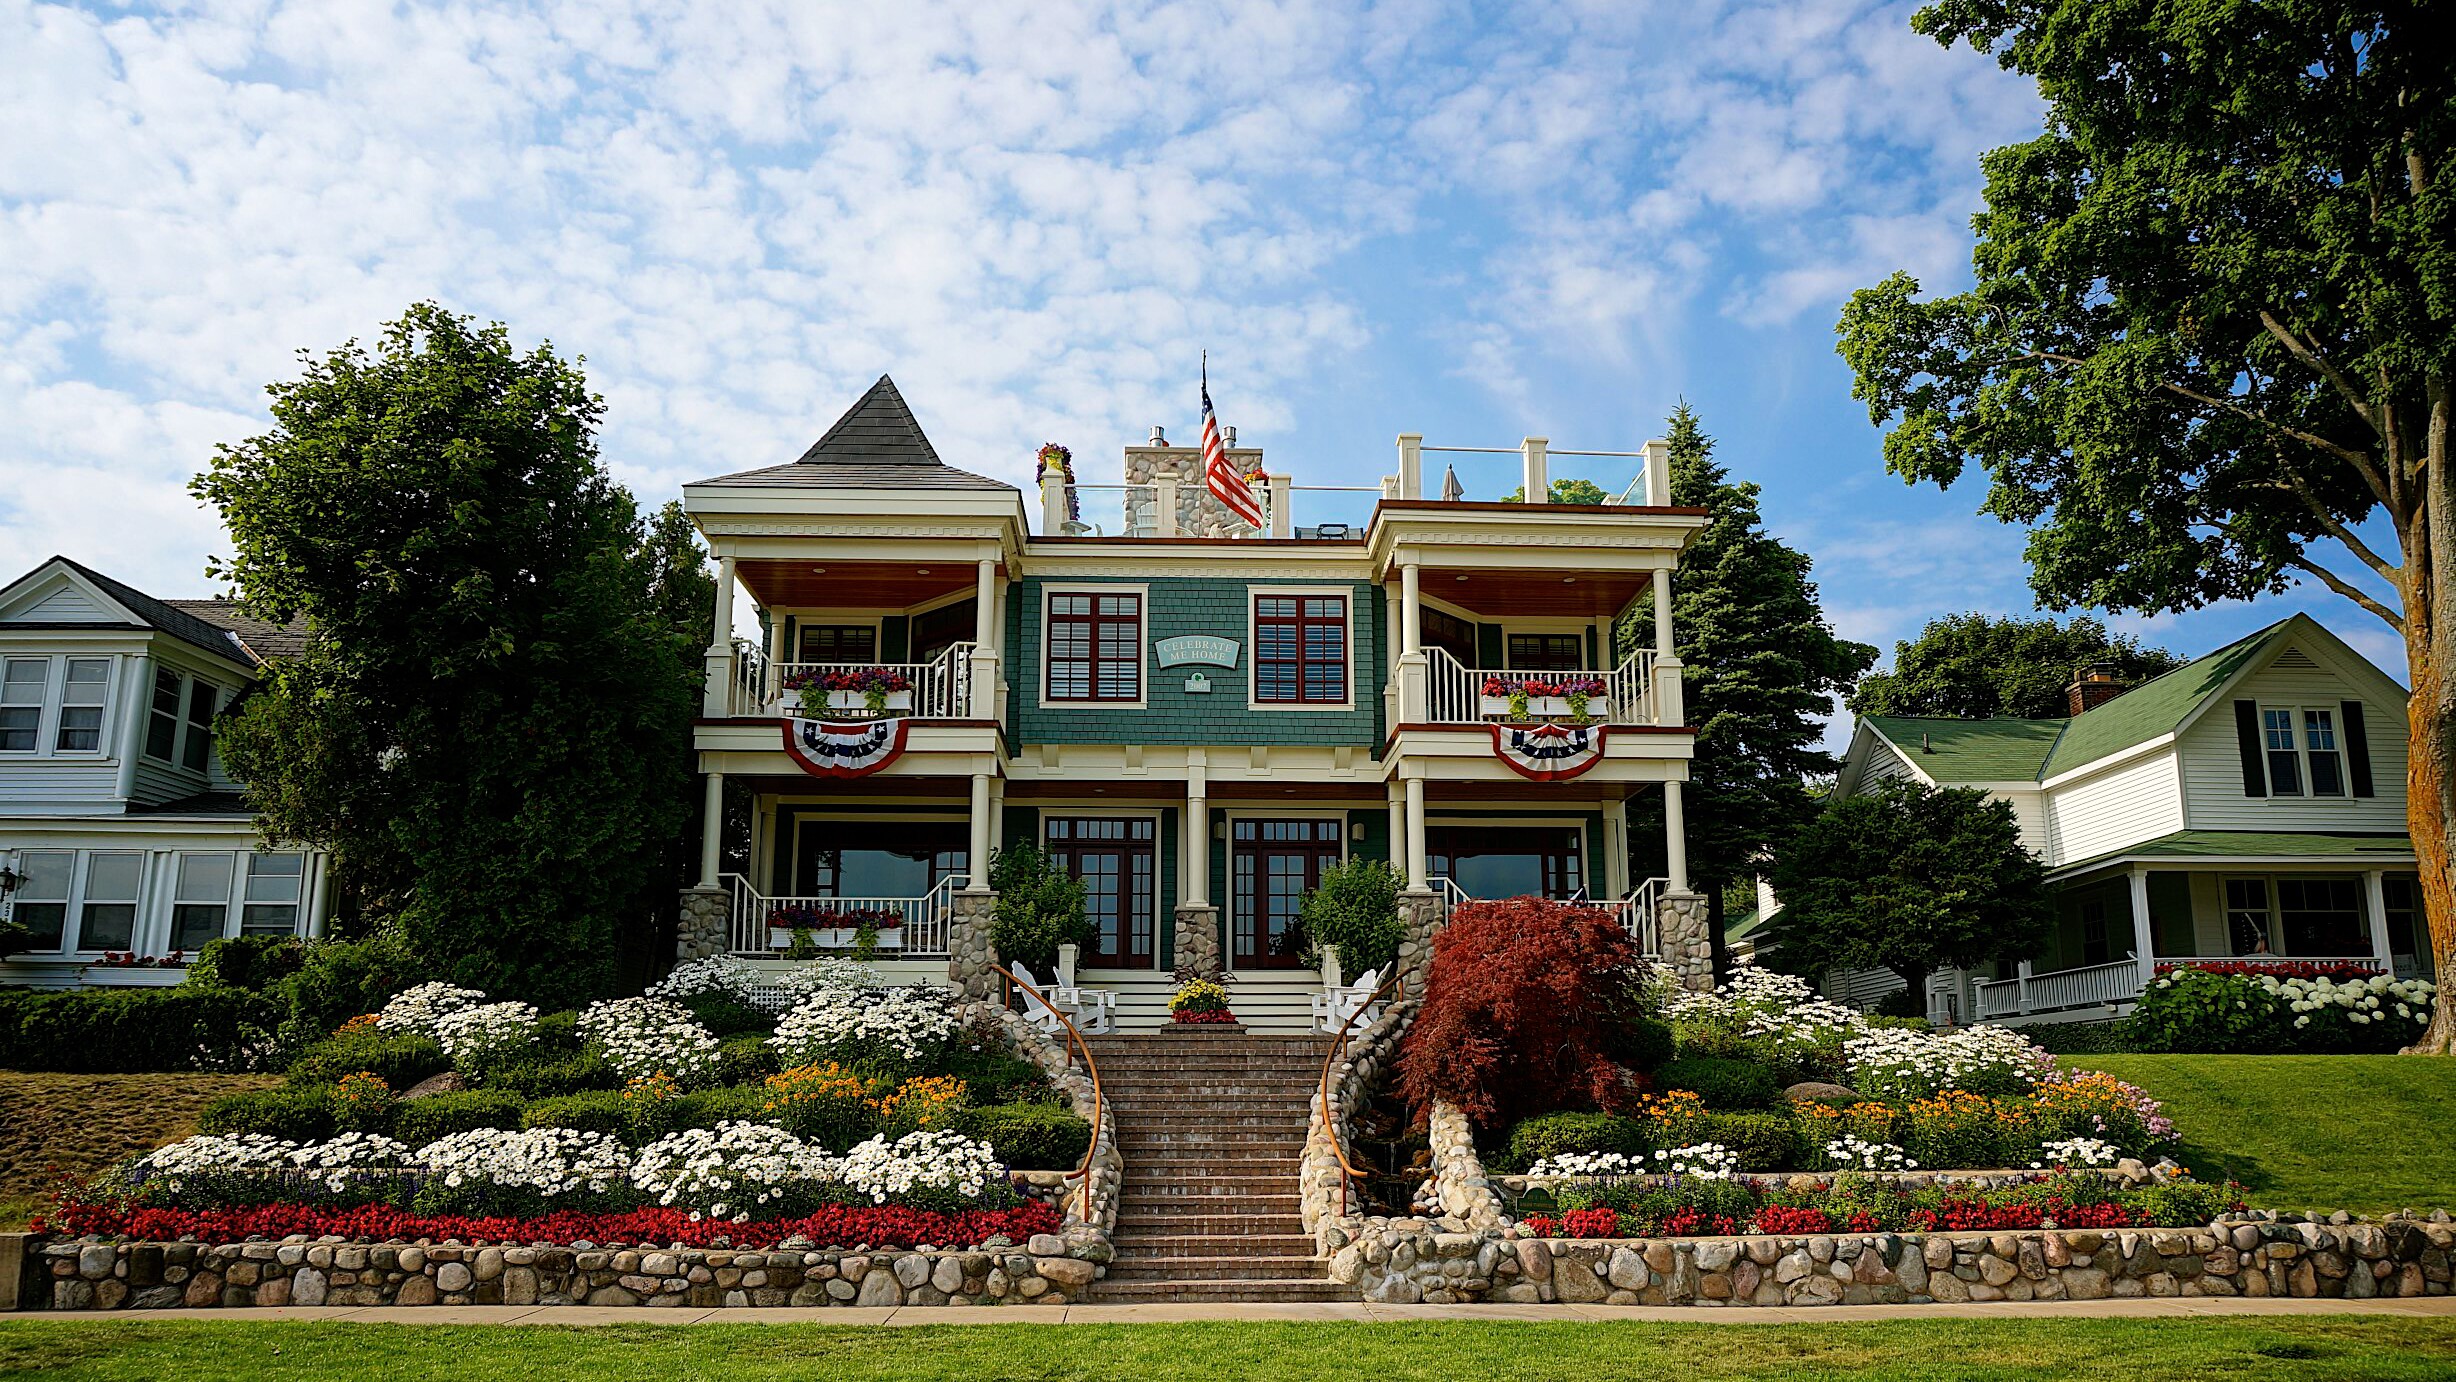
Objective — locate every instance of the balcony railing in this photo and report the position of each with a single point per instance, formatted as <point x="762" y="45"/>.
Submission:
<point x="906" y="927"/>
<point x="1178" y="507"/>
<point x="1456" y="694"/>
<point x="940" y="688"/>
<point x="1637" y="914"/>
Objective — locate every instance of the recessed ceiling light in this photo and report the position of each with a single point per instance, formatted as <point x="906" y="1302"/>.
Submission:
<point x="1569" y="580"/>
<point x="1462" y="578"/>
<point x="923" y="571"/>
<point x="818" y="571"/>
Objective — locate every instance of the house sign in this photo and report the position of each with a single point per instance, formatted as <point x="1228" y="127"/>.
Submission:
<point x="1196" y="649"/>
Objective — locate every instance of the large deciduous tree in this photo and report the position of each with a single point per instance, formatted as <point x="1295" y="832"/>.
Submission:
<point x="2211" y="347"/>
<point x="489" y="728"/>
<point x="1912" y="879"/>
<point x="1973" y="667"/>
<point x="1760" y="669"/>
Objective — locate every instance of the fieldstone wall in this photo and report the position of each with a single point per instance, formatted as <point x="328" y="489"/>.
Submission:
<point x="1198" y="940"/>
<point x="1198" y="513"/>
<point x="1420" y="919"/>
<point x="1417" y="1261"/>
<point x="1108" y="1163"/>
<point x="1680" y="919"/>
<point x="1459" y="1185"/>
<point x="1322" y="1194"/>
<point x="972" y="945"/>
<point x="706" y="924"/>
<point x="91" y="1275"/>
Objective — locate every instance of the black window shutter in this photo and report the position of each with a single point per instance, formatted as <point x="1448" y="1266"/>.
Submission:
<point x="2357" y="746"/>
<point x="2247" y="738"/>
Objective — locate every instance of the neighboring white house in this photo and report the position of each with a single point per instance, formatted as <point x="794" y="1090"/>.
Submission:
<point x="2250" y="804"/>
<point x="124" y="843"/>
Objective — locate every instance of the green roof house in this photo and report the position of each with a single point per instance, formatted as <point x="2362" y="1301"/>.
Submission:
<point x="2249" y="804"/>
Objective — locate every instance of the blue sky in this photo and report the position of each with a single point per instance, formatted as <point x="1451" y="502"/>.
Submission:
<point x="1474" y="222"/>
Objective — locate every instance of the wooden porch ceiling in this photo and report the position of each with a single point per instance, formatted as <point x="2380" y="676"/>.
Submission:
<point x="822" y="584"/>
<point x="1533" y="593"/>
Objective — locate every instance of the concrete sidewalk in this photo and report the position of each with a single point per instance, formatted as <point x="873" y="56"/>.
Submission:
<point x="570" y="1315"/>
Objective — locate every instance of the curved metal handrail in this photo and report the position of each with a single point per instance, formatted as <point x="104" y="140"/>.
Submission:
<point x="1330" y="1125"/>
<point x="1074" y="1042"/>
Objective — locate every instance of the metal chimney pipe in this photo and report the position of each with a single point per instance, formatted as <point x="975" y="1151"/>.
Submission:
<point x="1159" y="437"/>
<point x="1228" y="435"/>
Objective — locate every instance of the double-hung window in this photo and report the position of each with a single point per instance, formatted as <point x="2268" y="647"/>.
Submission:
<point x="1095" y="647"/>
<point x="40" y="903"/>
<point x="274" y="883"/>
<point x="200" y="908"/>
<point x="1300" y="649"/>
<point x="83" y="698"/>
<point x="162" y="722"/>
<point x="106" y="911"/>
<point x="23" y="682"/>
<point x="197" y="749"/>
<point x="853" y="643"/>
<point x="2304" y="757"/>
<point x="1547" y="652"/>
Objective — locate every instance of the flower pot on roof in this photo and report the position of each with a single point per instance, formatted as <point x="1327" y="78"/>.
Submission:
<point x="851" y="691"/>
<point x="1578" y="699"/>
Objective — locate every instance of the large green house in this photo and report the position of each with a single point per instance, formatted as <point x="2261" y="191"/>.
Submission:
<point x="1194" y="711"/>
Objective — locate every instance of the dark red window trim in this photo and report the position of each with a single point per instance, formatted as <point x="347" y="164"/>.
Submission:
<point x="1319" y="645"/>
<point x="1123" y="667"/>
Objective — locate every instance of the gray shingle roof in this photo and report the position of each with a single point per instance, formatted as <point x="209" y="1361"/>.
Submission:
<point x="264" y="639"/>
<point x="163" y="615"/>
<point x="877" y="444"/>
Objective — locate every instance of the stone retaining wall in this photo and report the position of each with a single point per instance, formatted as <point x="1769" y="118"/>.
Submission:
<point x="1108" y="1163"/>
<point x="91" y="1275"/>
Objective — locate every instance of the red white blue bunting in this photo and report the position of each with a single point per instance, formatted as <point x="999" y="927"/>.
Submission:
<point x="1548" y="753"/>
<point x="853" y="750"/>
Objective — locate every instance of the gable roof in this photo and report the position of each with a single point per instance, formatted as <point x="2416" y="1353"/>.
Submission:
<point x="877" y="444"/>
<point x="215" y="626"/>
<point x="2006" y="749"/>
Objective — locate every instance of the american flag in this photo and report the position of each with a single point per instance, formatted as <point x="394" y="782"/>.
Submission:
<point x="1226" y="484"/>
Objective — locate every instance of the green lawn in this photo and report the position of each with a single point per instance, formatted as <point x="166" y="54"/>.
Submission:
<point x="2243" y="1349"/>
<point x="2365" y="1133"/>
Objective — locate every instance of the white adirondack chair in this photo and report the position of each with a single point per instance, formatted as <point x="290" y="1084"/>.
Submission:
<point x="1036" y="1012"/>
<point x="1332" y="1007"/>
<point x="1093" y="1011"/>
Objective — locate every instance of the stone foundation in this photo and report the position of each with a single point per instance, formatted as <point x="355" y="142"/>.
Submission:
<point x="706" y="926"/>
<point x="1680" y="921"/>
<point x="972" y="945"/>
<point x="1198" y="940"/>
<point x="91" y="1275"/>
<point x="1420" y="919"/>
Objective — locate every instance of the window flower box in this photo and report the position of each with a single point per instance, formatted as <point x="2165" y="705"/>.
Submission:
<point x="1545" y="697"/>
<point x="858" y="702"/>
<point x="1545" y="708"/>
<point x="836" y="937"/>
<point x="856" y="690"/>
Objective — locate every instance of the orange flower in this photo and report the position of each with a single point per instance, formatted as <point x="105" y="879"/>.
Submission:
<point x="932" y="1101"/>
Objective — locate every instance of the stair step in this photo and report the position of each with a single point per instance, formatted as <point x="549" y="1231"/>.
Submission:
<point x="1219" y="1269"/>
<point x="1243" y="1289"/>
<point x="1196" y="1226"/>
<point x="1136" y="1243"/>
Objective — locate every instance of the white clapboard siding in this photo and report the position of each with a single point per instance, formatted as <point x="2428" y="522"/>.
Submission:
<point x="65" y="603"/>
<point x="67" y="786"/>
<point x="2213" y="762"/>
<point x="2141" y="800"/>
<point x="2030" y="816"/>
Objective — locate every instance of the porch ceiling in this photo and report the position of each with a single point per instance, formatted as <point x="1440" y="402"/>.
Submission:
<point x="820" y="584"/>
<point x="1533" y="594"/>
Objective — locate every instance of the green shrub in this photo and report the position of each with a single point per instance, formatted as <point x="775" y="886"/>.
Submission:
<point x="125" y="1031"/>
<point x="744" y="1059"/>
<point x="1709" y="1040"/>
<point x="1355" y="910"/>
<point x="420" y="1121"/>
<point x="1641" y="1042"/>
<point x="558" y="1034"/>
<point x="545" y="1076"/>
<point x="996" y="1076"/>
<point x="338" y="980"/>
<point x="727" y="1017"/>
<point x="1040" y="907"/>
<point x="1030" y="1137"/>
<point x="1556" y="1134"/>
<point x="708" y="1107"/>
<point x="299" y="1113"/>
<point x="401" y="1058"/>
<point x="595" y="1110"/>
<point x="1723" y="1083"/>
<point x="246" y="962"/>
<point x="2080" y="1038"/>
<point x="1764" y="1141"/>
<point x="1902" y="1003"/>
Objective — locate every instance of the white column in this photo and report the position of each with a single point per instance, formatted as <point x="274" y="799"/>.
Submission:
<point x="2144" y="941"/>
<point x="1616" y="849"/>
<point x="997" y="816"/>
<point x="1536" y="469"/>
<point x="1604" y="660"/>
<point x="1658" y="473"/>
<point x="1052" y="504"/>
<point x="712" y="831"/>
<point x="985" y="604"/>
<point x="763" y="854"/>
<point x="1662" y="613"/>
<point x="1411" y="610"/>
<point x="1418" y="874"/>
<point x="1398" y="827"/>
<point x="1282" y="521"/>
<point x="1411" y="465"/>
<point x="2375" y="906"/>
<point x="720" y="633"/>
<point x="320" y="912"/>
<point x="136" y="695"/>
<point x="976" y="863"/>
<point x="1196" y="884"/>
<point x="1675" y="838"/>
<point x="716" y="699"/>
<point x="984" y="669"/>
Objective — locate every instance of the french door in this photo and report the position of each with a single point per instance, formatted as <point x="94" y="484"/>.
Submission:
<point x="1272" y="865"/>
<point x="1114" y="860"/>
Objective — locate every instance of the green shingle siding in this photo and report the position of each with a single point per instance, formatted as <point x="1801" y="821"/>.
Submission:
<point x="1192" y="605"/>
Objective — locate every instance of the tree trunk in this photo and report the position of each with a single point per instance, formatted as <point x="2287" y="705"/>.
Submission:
<point x="2430" y="812"/>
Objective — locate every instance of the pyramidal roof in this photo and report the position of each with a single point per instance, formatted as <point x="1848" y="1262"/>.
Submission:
<point x="877" y="444"/>
<point x="878" y="430"/>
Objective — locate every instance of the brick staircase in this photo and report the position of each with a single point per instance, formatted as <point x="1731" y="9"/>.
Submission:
<point x="1212" y="1125"/>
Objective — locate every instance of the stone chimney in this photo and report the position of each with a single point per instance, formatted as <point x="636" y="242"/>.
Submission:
<point x="1199" y="514"/>
<point x="2093" y="685"/>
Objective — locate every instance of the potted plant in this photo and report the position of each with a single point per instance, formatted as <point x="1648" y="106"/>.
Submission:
<point x="863" y="690"/>
<point x="1539" y="697"/>
<point x="1201" y="1003"/>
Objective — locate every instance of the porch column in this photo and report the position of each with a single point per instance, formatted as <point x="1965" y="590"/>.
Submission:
<point x="1662" y="613"/>
<point x="1675" y="838"/>
<point x="1197" y="882"/>
<point x="976" y="864"/>
<point x="997" y="817"/>
<point x="984" y="669"/>
<point x="712" y="831"/>
<point x="717" y="699"/>
<point x="1412" y="669"/>
<point x="1398" y="827"/>
<point x="1668" y="707"/>
<point x="1616" y="849"/>
<point x="2144" y="941"/>
<point x="763" y="850"/>
<point x="2375" y="909"/>
<point x="1418" y="875"/>
<point x="1197" y="921"/>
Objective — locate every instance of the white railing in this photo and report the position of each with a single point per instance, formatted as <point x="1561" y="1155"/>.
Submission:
<point x="1612" y="479"/>
<point x="1636" y="913"/>
<point x="747" y="693"/>
<point x="941" y="687"/>
<point x="1172" y="507"/>
<point x="907" y="927"/>
<point x="1454" y="694"/>
<point x="2117" y="982"/>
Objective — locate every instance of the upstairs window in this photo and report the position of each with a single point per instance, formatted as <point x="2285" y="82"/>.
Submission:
<point x="197" y="749"/>
<point x="2300" y="747"/>
<point x="1547" y="652"/>
<point x="162" y="724"/>
<point x="854" y="643"/>
<point x="1095" y="647"/>
<point x="1300" y="649"/>
<point x="82" y="701"/>
<point x="23" y="681"/>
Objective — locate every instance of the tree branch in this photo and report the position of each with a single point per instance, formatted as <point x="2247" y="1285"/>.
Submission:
<point x="2339" y="584"/>
<point x="2301" y="350"/>
<point x="2386" y="570"/>
<point x="2360" y="460"/>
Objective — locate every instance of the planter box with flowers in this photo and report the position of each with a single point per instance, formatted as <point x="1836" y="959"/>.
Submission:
<point x="857" y="691"/>
<point x="1201" y="1003"/>
<point x="1545" y="698"/>
<point x="835" y="928"/>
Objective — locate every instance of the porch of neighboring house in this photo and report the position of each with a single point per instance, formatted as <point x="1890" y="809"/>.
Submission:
<point x="2351" y="900"/>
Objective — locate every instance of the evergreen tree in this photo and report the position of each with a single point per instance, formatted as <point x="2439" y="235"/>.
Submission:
<point x="1972" y="667"/>
<point x="1760" y="669"/>
<point x="490" y="728"/>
